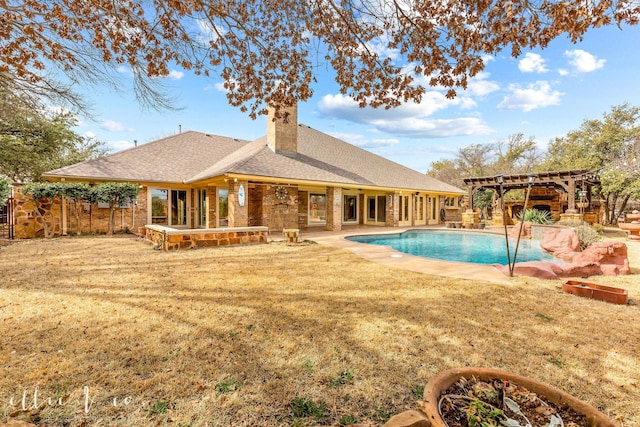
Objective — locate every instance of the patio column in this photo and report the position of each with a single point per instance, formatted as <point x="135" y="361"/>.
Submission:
<point x="393" y="210"/>
<point x="571" y="196"/>
<point x="212" y="206"/>
<point x="238" y="206"/>
<point x="334" y="209"/>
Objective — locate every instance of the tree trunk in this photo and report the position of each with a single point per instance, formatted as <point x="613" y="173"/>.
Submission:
<point x="623" y="205"/>
<point x="44" y="220"/>
<point x="112" y="220"/>
<point x="76" y="204"/>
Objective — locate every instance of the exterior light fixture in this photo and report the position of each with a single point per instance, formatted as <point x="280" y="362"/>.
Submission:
<point x="500" y="179"/>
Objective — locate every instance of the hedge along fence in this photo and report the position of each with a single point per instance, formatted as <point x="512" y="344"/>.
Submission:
<point x="5" y="191"/>
<point x="115" y="194"/>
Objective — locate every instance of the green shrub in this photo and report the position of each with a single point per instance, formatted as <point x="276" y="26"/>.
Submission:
<point x="571" y="223"/>
<point x="598" y="228"/>
<point x="535" y="216"/>
<point x="587" y="235"/>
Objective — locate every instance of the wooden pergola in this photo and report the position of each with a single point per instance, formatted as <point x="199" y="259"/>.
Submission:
<point x="568" y="181"/>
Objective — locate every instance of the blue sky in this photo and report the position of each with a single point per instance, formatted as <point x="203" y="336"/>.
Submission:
<point x="542" y="94"/>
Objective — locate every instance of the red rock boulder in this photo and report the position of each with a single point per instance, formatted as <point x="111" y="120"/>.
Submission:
<point x="610" y="257"/>
<point x="526" y="230"/>
<point x="562" y="243"/>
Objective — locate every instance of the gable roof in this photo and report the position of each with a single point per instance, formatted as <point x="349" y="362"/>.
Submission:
<point x="172" y="159"/>
<point x="192" y="156"/>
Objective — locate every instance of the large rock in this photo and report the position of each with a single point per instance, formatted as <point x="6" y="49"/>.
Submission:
<point x="562" y="243"/>
<point x="607" y="258"/>
<point x="539" y="269"/>
<point x="610" y="257"/>
<point x="526" y="230"/>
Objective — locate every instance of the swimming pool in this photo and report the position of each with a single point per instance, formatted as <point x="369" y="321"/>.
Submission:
<point x="479" y="248"/>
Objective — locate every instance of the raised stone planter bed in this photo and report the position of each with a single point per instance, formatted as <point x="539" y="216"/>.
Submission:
<point x="597" y="292"/>
<point x="168" y="239"/>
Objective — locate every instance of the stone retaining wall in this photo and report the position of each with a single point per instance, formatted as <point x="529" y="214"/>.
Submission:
<point x="168" y="239"/>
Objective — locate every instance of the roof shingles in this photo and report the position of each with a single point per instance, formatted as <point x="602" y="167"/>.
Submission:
<point x="192" y="156"/>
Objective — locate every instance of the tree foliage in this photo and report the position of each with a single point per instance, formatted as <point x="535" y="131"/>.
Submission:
<point x="515" y="155"/>
<point x="5" y="191"/>
<point x="33" y="141"/>
<point x="383" y="52"/>
<point x="116" y="194"/>
<point x="606" y="147"/>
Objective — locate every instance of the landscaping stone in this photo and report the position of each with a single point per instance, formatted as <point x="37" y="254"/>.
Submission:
<point x="601" y="258"/>
<point x="562" y="243"/>
<point x="610" y="257"/>
<point x="526" y="230"/>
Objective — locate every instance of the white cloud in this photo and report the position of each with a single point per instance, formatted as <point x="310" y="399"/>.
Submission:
<point x="90" y="135"/>
<point x="343" y="107"/>
<point x="436" y="128"/>
<point x="208" y="32"/>
<point x="532" y="63"/>
<point x="175" y="75"/>
<point x="535" y="95"/>
<point x="112" y="126"/>
<point x="481" y="86"/>
<point x="120" y="145"/>
<point x="410" y="119"/>
<point x="584" y="62"/>
<point x="563" y="72"/>
<point x="360" y="141"/>
<point x="122" y="69"/>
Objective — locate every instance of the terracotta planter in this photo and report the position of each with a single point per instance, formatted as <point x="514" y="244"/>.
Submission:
<point x="594" y="291"/>
<point x="441" y="382"/>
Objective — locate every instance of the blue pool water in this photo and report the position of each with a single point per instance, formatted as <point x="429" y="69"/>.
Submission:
<point x="478" y="248"/>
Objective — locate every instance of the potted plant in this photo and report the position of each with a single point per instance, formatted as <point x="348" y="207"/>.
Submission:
<point x="473" y="396"/>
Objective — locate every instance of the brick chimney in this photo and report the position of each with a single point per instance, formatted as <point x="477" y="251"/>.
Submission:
<point x="282" y="137"/>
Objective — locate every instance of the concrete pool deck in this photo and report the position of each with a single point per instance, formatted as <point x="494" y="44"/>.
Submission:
<point x="392" y="258"/>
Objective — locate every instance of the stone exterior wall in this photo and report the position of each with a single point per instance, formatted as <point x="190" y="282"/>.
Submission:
<point x="392" y="214"/>
<point x="169" y="239"/>
<point x="280" y="214"/>
<point x="93" y="217"/>
<point x="334" y="209"/>
<point x="212" y="207"/>
<point x="257" y="216"/>
<point x="30" y="223"/>
<point x="303" y="209"/>
<point x="238" y="215"/>
<point x="539" y="197"/>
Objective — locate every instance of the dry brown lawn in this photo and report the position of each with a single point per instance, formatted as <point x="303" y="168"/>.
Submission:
<point x="107" y="331"/>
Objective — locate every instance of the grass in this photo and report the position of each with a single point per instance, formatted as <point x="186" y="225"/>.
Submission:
<point x="105" y="330"/>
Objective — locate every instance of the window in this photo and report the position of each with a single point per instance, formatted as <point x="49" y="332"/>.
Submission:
<point x="169" y="207"/>
<point x="404" y="208"/>
<point x="178" y="207"/>
<point x="421" y="208"/>
<point x="317" y="208"/>
<point x="376" y="209"/>
<point x="451" y="202"/>
<point x="159" y="206"/>
<point x="223" y="207"/>
<point x="350" y="212"/>
<point x="202" y="207"/>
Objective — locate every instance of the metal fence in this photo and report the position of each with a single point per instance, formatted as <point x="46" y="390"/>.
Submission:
<point x="6" y="220"/>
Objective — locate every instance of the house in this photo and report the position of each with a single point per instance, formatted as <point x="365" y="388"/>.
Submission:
<point x="293" y="177"/>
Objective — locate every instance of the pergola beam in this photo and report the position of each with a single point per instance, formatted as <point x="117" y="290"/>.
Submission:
<point x="565" y="180"/>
